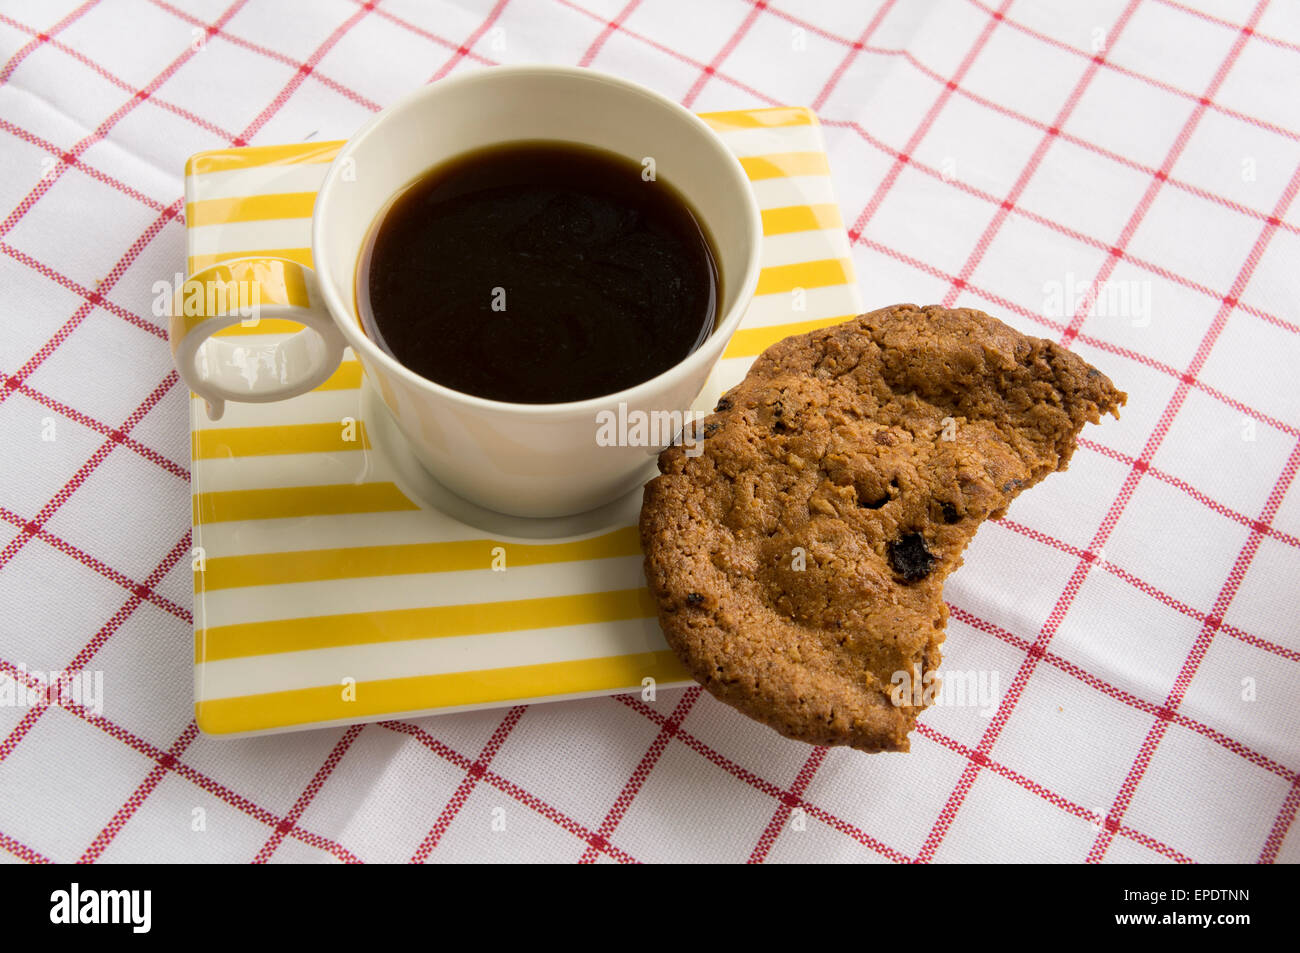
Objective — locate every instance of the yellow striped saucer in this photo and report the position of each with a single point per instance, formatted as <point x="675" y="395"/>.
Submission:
<point x="333" y="585"/>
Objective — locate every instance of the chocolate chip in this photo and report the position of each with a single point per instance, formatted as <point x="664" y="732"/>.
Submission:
<point x="694" y="598"/>
<point x="950" y="514"/>
<point x="1012" y="485"/>
<point x="910" y="557"/>
<point x="723" y="404"/>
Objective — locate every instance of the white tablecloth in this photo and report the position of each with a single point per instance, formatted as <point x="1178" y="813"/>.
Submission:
<point x="1118" y="176"/>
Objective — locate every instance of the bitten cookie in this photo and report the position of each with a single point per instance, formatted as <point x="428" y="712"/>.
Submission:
<point x="798" y="560"/>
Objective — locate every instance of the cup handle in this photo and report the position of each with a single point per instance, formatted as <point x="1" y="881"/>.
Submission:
<point x="247" y="291"/>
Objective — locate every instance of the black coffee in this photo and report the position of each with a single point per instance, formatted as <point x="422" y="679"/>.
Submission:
<point x="538" y="272"/>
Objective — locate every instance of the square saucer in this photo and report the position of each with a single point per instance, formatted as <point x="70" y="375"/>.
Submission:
<point x="336" y="582"/>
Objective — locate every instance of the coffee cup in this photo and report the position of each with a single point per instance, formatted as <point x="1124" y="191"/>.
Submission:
<point x="522" y="459"/>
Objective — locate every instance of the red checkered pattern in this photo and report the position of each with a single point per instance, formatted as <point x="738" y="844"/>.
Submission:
<point x="1140" y="613"/>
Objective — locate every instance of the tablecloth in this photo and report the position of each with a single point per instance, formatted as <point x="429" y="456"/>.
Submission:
<point x="1118" y="176"/>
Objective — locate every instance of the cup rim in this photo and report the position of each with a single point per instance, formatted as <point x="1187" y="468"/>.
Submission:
<point x="694" y="362"/>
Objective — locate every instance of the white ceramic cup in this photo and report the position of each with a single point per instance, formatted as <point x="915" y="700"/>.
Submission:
<point x="537" y="460"/>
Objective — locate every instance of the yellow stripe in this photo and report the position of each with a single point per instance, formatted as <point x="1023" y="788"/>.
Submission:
<point x="760" y="118"/>
<point x="267" y="569"/>
<point x="249" y="283"/>
<point x="804" y="274"/>
<point x="301" y="255"/>
<point x="226" y="442"/>
<point x="750" y="341"/>
<point x="247" y="157"/>
<point x="250" y="208"/>
<point x="280" y="502"/>
<point x="416" y="693"/>
<point x="800" y="218"/>
<point x="781" y="164"/>
<point x="347" y="377"/>
<point x="264" y="326"/>
<point x="244" y="639"/>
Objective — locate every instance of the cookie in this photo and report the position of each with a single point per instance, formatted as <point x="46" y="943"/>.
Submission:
<point x="797" y="553"/>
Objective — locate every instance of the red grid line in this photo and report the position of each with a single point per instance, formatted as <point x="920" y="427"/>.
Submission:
<point x="599" y="42"/>
<point x="1148" y="198"/>
<point x="1197" y="654"/>
<point x="318" y="780"/>
<point x="12" y="382"/>
<point x="667" y="730"/>
<point x="759" y="784"/>
<point x="1042" y="220"/>
<point x="96" y="298"/>
<point x="1065" y="804"/>
<point x="146" y="787"/>
<point x="33" y="526"/>
<point x="301" y="75"/>
<point x="788" y="802"/>
<point x="101" y="131"/>
<point x="287" y="825"/>
<point x="1007" y="705"/>
<point x="698" y="86"/>
<point x="1202" y="498"/>
<point x="217" y="30"/>
<point x="896" y="169"/>
<point x="153" y="456"/>
<point x="1285" y="818"/>
<point x="117" y="81"/>
<point x="88" y="651"/>
<point x="1150" y="80"/>
<point x="858" y="46"/>
<point x="1031" y="167"/>
<point x="91" y="562"/>
<point x="43" y="37"/>
<point x="509" y="788"/>
<point x="80" y="164"/>
<point x="432" y="37"/>
<point x="846" y="828"/>
<point x="1210" y="18"/>
<point x="675" y="54"/>
<point x="1062" y="134"/>
<point x="1147" y="588"/>
<point x="1098" y="343"/>
<point x="1055" y="226"/>
<point x="474" y="773"/>
<point x="195" y="777"/>
<point x="22" y="851"/>
<point x="463" y="50"/>
<point x="1063" y="664"/>
<point x="986" y="196"/>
